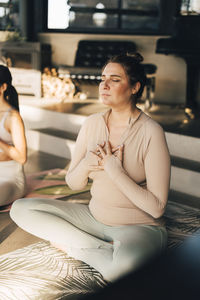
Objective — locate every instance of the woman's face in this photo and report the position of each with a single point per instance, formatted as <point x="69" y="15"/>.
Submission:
<point x="115" y="89"/>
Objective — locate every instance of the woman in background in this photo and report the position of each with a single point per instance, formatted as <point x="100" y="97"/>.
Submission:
<point x="125" y="153"/>
<point x="12" y="143"/>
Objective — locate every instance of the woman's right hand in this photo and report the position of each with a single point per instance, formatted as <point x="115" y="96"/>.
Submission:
<point x="92" y="157"/>
<point x="103" y="155"/>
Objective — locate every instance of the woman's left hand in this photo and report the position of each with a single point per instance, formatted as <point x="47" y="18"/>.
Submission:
<point x="104" y="153"/>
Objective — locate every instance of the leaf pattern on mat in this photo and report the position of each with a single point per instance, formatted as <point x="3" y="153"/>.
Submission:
<point x="181" y="222"/>
<point x="60" y="190"/>
<point x="41" y="272"/>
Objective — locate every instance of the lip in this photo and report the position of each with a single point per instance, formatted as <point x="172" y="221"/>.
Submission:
<point x="105" y="95"/>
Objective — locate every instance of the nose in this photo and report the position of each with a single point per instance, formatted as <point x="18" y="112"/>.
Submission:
<point x="105" y="84"/>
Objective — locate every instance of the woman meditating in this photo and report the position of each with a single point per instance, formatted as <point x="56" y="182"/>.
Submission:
<point x="12" y="143"/>
<point x="125" y="154"/>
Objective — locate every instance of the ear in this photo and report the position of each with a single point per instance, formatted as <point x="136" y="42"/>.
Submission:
<point x="4" y="87"/>
<point x="136" y="88"/>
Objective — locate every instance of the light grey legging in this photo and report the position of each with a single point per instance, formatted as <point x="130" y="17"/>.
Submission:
<point x="85" y="239"/>
<point x="12" y="181"/>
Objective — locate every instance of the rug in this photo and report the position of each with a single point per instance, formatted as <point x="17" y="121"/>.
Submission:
<point x="42" y="272"/>
<point x="50" y="184"/>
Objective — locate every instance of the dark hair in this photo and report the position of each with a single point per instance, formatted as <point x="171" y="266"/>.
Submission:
<point x="131" y="62"/>
<point x="10" y="94"/>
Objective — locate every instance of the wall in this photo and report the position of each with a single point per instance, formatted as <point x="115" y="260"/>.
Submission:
<point x="171" y="72"/>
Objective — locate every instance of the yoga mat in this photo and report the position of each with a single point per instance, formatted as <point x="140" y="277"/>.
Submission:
<point x="50" y="184"/>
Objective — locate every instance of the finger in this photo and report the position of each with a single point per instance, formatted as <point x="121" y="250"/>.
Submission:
<point x="103" y="144"/>
<point x="108" y="148"/>
<point x="99" y="161"/>
<point x="115" y="149"/>
<point x="99" y="148"/>
<point x="120" y="153"/>
<point x="96" y="168"/>
<point x="95" y="153"/>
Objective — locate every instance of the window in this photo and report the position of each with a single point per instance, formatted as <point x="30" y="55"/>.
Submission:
<point x="107" y="16"/>
<point x="9" y="15"/>
<point x="190" y="7"/>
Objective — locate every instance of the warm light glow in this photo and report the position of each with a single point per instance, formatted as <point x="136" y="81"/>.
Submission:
<point x="99" y="18"/>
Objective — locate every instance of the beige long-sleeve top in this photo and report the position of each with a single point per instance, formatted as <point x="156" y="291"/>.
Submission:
<point x="134" y="192"/>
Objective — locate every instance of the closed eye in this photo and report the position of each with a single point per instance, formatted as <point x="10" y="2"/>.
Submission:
<point x="113" y="78"/>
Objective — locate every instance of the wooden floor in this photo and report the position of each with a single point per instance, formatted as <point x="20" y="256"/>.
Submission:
<point x="11" y="236"/>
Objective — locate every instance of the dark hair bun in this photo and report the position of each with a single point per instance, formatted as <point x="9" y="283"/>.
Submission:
<point x="10" y="94"/>
<point x="137" y="57"/>
<point x="5" y="75"/>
